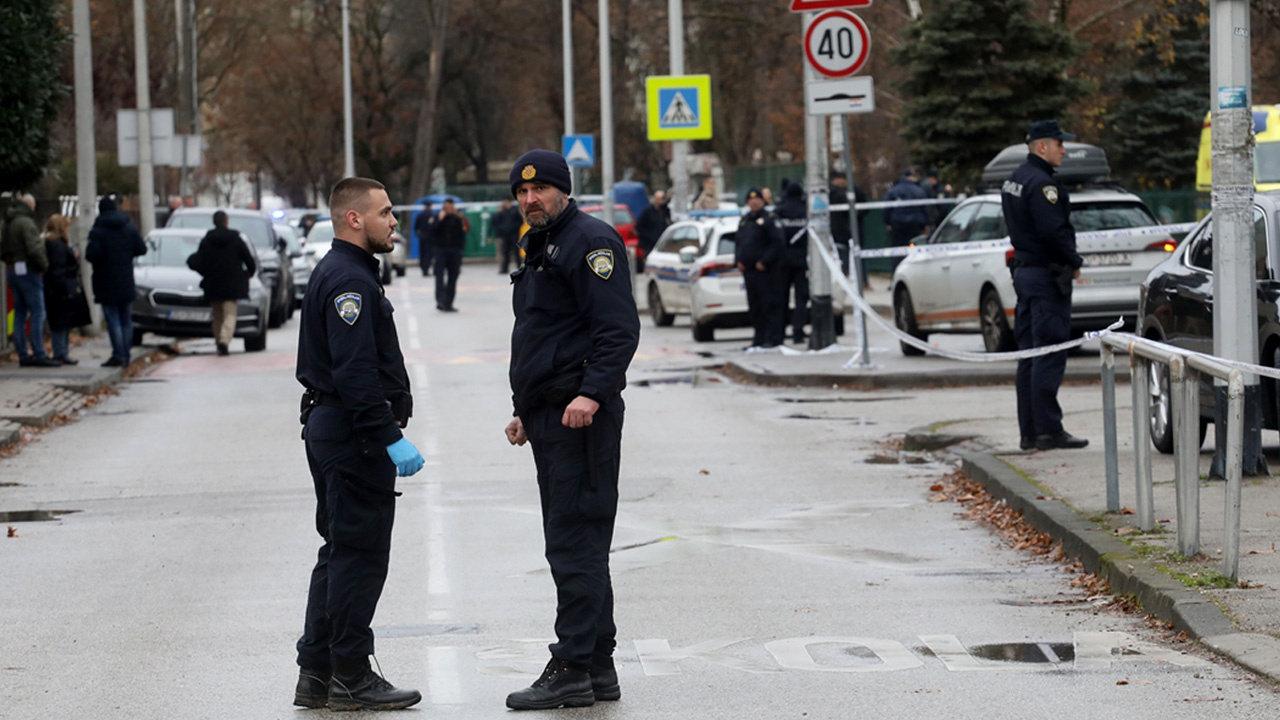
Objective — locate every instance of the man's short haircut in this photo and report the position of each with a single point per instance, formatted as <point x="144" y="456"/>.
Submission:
<point x="219" y="219"/>
<point x="349" y="194"/>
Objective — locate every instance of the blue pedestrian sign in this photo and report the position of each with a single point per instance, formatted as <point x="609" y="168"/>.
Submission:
<point x="679" y="107"/>
<point x="579" y="150"/>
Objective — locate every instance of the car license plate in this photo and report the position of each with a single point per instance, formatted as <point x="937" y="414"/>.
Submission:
<point x="199" y="315"/>
<point x="1107" y="259"/>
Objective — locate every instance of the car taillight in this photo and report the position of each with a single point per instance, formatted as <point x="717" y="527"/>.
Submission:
<point x="715" y="269"/>
<point x="1008" y="256"/>
<point x="1162" y="246"/>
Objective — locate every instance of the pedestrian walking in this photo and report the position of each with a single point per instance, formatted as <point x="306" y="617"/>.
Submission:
<point x="709" y="198"/>
<point x="792" y="216"/>
<point x="24" y="255"/>
<point x="841" y="230"/>
<point x="905" y="223"/>
<point x="506" y="228"/>
<point x="356" y="403"/>
<point x="573" y="294"/>
<point x="226" y="263"/>
<point x="63" y="297"/>
<point x="450" y="238"/>
<point x="653" y="220"/>
<point x="424" y="227"/>
<point x="758" y="254"/>
<point x="1037" y="211"/>
<point x="114" y="242"/>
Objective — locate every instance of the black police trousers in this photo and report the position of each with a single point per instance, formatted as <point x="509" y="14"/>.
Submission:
<point x="766" y="305"/>
<point x="796" y="279"/>
<point x="578" y="488"/>
<point x="1042" y="317"/>
<point x="448" y="266"/>
<point x="355" y="509"/>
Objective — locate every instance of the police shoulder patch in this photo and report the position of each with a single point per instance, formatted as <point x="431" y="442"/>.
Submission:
<point x="601" y="262"/>
<point x="1051" y="193"/>
<point x="348" y="307"/>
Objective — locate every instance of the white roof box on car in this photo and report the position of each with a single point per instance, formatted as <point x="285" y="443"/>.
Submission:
<point x="1083" y="163"/>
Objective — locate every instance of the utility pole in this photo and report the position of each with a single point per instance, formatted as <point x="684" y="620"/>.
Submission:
<point x="86" y="152"/>
<point x="821" y="317"/>
<point x="348" y="144"/>
<point x="1235" y="316"/>
<point x="855" y="242"/>
<point x="146" y="172"/>
<point x="566" y="49"/>
<point x="679" y="170"/>
<point x="606" y="115"/>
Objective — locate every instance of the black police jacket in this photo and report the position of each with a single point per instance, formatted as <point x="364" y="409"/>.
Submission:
<point x="576" y="326"/>
<point x="348" y="348"/>
<point x="759" y="239"/>
<point x="1037" y="211"/>
<point x="792" y="215"/>
<point x="226" y="263"/>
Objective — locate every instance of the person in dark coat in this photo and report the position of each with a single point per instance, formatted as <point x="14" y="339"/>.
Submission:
<point x="758" y="254"/>
<point x="841" y="230"/>
<point x="506" y="228"/>
<point x="63" y="299"/>
<point x="792" y="216"/>
<point x="113" y="244"/>
<point x="649" y="226"/>
<point x="22" y="250"/>
<point x="424" y="227"/>
<point x="226" y="263"/>
<point x="905" y="223"/>
<point x="450" y="238"/>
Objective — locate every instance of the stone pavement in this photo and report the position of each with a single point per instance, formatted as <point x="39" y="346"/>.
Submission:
<point x="1062" y="492"/>
<point x="33" y="397"/>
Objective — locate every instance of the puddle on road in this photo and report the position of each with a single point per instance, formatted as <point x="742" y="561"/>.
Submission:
<point x="843" y="399"/>
<point x="856" y="420"/>
<point x="32" y="515"/>
<point x="675" y="380"/>
<point x="1025" y="653"/>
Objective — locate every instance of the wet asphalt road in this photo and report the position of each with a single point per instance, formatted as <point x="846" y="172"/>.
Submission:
<point x="762" y="568"/>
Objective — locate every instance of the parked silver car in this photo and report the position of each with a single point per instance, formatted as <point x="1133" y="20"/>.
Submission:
<point x="169" y="300"/>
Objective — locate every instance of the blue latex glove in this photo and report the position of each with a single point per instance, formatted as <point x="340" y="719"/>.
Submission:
<point x="406" y="457"/>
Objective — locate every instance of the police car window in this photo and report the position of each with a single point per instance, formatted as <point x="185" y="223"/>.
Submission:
<point x="988" y="224"/>
<point x="955" y="227"/>
<point x="680" y="237"/>
<point x="1200" y="253"/>
<point x="1090" y="216"/>
<point x="727" y="244"/>
<point x="1266" y="162"/>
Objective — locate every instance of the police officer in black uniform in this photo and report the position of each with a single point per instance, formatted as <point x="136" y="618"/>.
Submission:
<point x="792" y="215"/>
<point x="1037" y="211"/>
<point x="576" y="329"/>
<point x="758" y="254"/>
<point x="356" y="402"/>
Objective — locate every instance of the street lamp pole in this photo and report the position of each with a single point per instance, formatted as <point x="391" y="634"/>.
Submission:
<point x="606" y="115"/>
<point x="566" y="48"/>
<point x="348" y="144"/>
<point x="146" y="172"/>
<point x="679" y="148"/>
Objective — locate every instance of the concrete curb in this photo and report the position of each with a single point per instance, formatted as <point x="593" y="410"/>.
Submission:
<point x="745" y="371"/>
<point x="1112" y="560"/>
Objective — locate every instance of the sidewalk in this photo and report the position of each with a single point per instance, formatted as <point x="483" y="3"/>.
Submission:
<point x="1063" y="492"/>
<point x="33" y="396"/>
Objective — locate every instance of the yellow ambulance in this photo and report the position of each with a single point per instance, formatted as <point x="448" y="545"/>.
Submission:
<point x="1266" y="155"/>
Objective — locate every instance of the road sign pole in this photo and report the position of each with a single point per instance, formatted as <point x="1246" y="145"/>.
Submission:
<point x="86" y="165"/>
<point x="606" y="115"/>
<point x="1235" y="315"/>
<point x="567" y="55"/>
<point x="855" y="240"/>
<point x="822" y="320"/>
<point x="146" y="171"/>
<point x="679" y="169"/>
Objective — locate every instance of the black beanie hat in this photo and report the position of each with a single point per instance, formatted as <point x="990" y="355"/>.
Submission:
<point x="542" y="165"/>
<point x="107" y="204"/>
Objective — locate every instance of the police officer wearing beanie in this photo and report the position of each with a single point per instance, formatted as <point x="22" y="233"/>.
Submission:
<point x="758" y="252"/>
<point x="792" y="216"/>
<point x="576" y="330"/>
<point x="356" y="402"/>
<point x="1037" y="211"/>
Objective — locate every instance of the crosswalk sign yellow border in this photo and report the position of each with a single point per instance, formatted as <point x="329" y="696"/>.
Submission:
<point x="701" y="85"/>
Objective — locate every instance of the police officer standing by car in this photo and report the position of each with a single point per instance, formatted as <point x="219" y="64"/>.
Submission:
<point x="356" y="402"/>
<point x="576" y="330"/>
<point x="758" y="254"/>
<point x="1037" y="211"/>
<point x="792" y="215"/>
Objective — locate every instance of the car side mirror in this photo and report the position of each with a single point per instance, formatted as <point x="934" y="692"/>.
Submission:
<point x="688" y="254"/>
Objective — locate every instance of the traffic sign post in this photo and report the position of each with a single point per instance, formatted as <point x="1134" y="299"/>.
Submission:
<point x="837" y="43"/>
<point x="579" y="150"/>
<point x="679" y="107"/>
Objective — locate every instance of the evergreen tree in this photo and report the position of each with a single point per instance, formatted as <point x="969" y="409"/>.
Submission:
<point x="1153" y="133"/>
<point x="31" y="44"/>
<point x="980" y="72"/>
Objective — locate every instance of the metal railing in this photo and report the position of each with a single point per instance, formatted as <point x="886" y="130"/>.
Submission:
<point x="1185" y="369"/>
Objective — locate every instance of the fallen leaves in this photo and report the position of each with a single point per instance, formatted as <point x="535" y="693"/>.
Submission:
<point x="13" y="531"/>
<point x="1264" y="552"/>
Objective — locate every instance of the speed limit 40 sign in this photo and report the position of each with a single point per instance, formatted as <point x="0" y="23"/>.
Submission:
<point x="837" y="43"/>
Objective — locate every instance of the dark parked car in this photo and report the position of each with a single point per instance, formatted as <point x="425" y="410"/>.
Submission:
<point x="1176" y="307"/>
<point x="274" y="265"/>
<point x="169" y="299"/>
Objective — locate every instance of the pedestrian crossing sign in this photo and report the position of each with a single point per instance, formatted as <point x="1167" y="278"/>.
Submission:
<point x="579" y="150"/>
<point x="679" y="107"/>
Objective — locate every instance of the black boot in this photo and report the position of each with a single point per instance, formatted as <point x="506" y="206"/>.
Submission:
<point x="560" y="685"/>
<point x="604" y="678"/>
<point x="313" y="688"/>
<point x="355" y="686"/>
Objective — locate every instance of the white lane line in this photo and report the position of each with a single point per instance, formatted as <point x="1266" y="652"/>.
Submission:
<point x="438" y="585"/>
